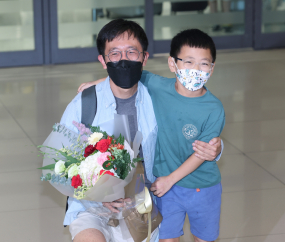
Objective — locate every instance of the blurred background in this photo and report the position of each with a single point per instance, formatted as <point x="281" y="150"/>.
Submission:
<point x="37" y="32"/>
<point x="51" y="45"/>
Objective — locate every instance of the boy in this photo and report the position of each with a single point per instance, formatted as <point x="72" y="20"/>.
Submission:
<point x="185" y="111"/>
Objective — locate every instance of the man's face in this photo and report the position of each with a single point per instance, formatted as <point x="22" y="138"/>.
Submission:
<point x="123" y="43"/>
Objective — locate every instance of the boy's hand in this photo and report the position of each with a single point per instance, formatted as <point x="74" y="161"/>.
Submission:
<point x="207" y="151"/>
<point x="161" y="186"/>
<point x="84" y="85"/>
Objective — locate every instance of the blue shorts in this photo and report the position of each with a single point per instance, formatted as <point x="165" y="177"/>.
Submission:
<point x="202" y="207"/>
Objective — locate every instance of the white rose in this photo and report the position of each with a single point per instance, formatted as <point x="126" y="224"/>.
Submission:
<point x="73" y="171"/>
<point x="59" y="167"/>
<point x="94" y="138"/>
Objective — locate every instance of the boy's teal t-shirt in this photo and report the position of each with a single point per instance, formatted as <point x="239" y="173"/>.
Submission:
<point x="181" y="121"/>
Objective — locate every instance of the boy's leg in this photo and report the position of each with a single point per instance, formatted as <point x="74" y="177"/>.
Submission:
<point x="172" y="208"/>
<point x="204" y="213"/>
<point x="169" y="240"/>
<point x="196" y="239"/>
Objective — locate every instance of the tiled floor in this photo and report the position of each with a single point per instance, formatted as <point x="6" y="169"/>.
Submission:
<point x="251" y="86"/>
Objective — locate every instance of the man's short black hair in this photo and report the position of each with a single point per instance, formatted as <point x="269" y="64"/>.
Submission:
<point x="193" y="38"/>
<point x="117" y="27"/>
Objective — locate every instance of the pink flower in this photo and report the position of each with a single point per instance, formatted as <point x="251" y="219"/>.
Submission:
<point x="94" y="179"/>
<point x="103" y="157"/>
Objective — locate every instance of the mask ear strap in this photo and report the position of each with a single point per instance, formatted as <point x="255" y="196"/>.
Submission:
<point x="175" y="64"/>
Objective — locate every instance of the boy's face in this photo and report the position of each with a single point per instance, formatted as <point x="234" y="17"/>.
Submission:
<point x="197" y="55"/>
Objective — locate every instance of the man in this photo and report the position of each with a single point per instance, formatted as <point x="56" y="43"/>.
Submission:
<point x="122" y="46"/>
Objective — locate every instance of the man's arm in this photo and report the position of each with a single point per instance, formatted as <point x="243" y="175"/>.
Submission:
<point x="164" y="183"/>
<point x="209" y="151"/>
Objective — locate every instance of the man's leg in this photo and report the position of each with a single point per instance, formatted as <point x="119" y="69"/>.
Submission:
<point x="89" y="235"/>
<point x="89" y="228"/>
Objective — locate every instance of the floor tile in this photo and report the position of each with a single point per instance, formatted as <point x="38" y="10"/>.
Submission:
<point x="9" y="128"/>
<point x="34" y="225"/>
<point x="252" y="213"/>
<point x="229" y="149"/>
<point x="256" y="136"/>
<point x="273" y="162"/>
<point x="239" y="173"/>
<point x="24" y="190"/>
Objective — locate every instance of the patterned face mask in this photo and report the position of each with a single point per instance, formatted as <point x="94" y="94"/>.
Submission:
<point x="192" y="79"/>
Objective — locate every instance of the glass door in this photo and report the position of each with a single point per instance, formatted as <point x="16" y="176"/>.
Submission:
<point x="270" y="24"/>
<point x="229" y="22"/>
<point x="75" y="25"/>
<point x="20" y="33"/>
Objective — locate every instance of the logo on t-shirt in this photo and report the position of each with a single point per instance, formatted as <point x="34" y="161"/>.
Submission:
<point x="189" y="131"/>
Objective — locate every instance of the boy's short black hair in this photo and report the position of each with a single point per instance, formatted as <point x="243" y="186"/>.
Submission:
<point x="192" y="38"/>
<point x="117" y="27"/>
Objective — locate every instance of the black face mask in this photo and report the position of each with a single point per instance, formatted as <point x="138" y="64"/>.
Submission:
<point x="125" y="73"/>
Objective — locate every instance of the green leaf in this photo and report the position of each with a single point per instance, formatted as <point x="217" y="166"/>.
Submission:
<point x="137" y="159"/>
<point x="48" y="167"/>
<point x="121" y="139"/>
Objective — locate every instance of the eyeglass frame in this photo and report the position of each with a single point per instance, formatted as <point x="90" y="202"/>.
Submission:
<point x="212" y="64"/>
<point x="122" y="54"/>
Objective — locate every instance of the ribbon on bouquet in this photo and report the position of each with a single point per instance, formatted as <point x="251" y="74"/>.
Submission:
<point x="145" y="208"/>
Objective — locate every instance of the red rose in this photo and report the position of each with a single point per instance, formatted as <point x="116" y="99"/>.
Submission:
<point x="76" y="181"/>
<point x="103" y="145"/>
<point x="106" y="172"/>
<point x="89" y="150"/>
<point x="110" y="138"/>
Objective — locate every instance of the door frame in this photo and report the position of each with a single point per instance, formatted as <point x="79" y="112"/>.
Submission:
<point x="28" y="57"/>
<point x="265" y="40"/>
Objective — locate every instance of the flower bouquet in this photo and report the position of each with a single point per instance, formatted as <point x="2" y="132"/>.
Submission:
<point x="90" y="166"/>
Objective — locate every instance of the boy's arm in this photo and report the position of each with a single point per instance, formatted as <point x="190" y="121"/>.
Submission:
<point x="164" y="183"/>
<point x="145" y="77"/>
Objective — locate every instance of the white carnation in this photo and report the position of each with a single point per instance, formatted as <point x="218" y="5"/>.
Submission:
<point x="94" y="138"/>
<point x="59" y="167"/>
<point x="89" y="165"/>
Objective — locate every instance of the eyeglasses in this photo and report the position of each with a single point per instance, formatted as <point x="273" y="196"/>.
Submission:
<point x="190" y="64"/>
<point x="132" y="54"/>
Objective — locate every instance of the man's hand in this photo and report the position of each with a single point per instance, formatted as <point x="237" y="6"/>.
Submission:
<point x="112" y="206"/>
<point x="207" y="151"/>
<point x="161" y="186"/>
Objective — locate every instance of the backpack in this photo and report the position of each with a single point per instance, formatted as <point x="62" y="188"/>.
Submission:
<point x="88" y="112"/>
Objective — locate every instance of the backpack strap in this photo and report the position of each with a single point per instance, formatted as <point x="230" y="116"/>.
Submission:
<point x="89" y="109"/>
<point x="89" y="105"/>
